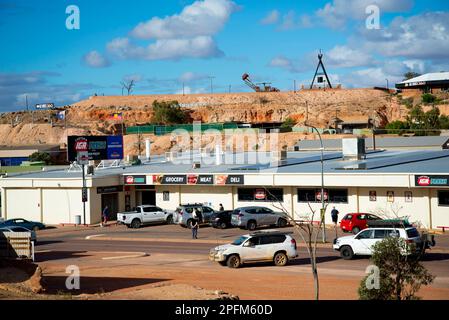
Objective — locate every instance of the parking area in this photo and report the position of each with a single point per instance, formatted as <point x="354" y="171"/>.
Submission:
<point x="168" y="252"/>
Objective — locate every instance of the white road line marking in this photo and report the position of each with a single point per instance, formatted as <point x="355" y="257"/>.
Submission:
<point x="137" y="255"/>
<point x="94" y="236"/>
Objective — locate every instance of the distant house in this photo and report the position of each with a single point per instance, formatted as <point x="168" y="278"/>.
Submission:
<point x="15" y="155"/>
<point x="429" y="82"/>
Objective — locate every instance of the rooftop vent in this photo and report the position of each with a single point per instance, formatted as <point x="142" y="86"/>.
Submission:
<point x="196" y="165"/>
<point x="353" y="149"/>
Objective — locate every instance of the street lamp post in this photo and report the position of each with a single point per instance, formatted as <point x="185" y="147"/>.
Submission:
<point x="388" y="86"/>
<point x="323" y="208"/>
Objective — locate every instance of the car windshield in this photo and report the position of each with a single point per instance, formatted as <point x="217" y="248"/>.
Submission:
<point x="239" y="241"/>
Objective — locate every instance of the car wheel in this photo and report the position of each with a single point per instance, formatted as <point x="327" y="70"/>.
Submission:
<point x="355" y="230"/>
<point x="233" y="261"/>
<point x="135" y="224"/>
<point x="169" y="220"/>
<point x="35" y="228"/>
<point x="251" y="225"/>
<point x="223" y="225"/>
<point x="346" y="252"/>
<point x="282" y="223"/>
<point x="280" y="259"/>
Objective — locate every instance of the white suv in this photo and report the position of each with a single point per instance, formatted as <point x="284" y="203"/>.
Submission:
<point x="269" y="245"/>
<point x="362" y="243"/>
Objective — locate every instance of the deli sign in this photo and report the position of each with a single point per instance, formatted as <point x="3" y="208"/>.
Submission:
<point x="431" y="181"/>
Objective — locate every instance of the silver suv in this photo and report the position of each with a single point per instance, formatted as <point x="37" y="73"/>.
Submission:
<point x="253" y="217"/>
<point x="184" y="214"/>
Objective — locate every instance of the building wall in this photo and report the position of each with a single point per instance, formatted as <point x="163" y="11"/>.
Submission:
<point x="23" y="203"/>
<point x="207" y="194"/>
<point x="440" y="214"/>
<point x="417" y="209"/>
<point x="174" y="198"/>
<point x="61" y="205"/>
<point x="286" y="204"/>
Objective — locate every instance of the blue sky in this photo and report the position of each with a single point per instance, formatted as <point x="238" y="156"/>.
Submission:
<point x="165" y="43"/>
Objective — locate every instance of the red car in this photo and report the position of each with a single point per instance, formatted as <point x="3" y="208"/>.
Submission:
<point x="354" y="222"/>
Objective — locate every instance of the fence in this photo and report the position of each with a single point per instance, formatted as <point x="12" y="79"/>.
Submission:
<point x="14" y="245"/>
<point x="161" y="130"/>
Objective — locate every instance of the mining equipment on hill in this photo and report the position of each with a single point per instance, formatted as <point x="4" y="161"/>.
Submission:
<point x="259" y="87"/>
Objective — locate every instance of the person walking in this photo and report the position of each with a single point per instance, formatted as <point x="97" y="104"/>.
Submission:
<point x="105" y="216"/>
<point x="334" y="214"/>
<point x="221" y="208"/>
<point x="195" y="227"/>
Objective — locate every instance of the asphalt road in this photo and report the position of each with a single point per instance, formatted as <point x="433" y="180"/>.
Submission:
<point x="172" y="240"/>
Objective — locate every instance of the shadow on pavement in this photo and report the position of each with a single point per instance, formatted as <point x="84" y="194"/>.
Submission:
<point x="45" y="242"/>
<point x="59" y="255"/>
<point x="93" y="285"/>
<point x="295" y="262"/>
<point x="429" y="256"/>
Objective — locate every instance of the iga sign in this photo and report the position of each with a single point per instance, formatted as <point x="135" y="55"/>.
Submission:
<point x="431" y="181"/>
<point x="97" y="147"/>
<point x="260" y="194"/>
<point x="132" y="180"/>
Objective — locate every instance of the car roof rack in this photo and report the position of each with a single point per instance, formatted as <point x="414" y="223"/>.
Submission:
<point x="269" y="232"/>
<point x="391" y="223"/>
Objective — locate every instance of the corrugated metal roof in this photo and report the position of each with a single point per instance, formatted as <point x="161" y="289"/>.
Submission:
<point x="435" y="76"/>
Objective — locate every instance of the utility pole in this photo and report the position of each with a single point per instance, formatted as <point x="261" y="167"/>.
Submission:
<point x="26" y="99"/>
<point x="84" y="193"/>
<point x="211" y="84"/>
<point x="294" y="86"/>
<point x="183" y="89"/>
<point x="323" y="208"/>
<point x="229" y="88"/>
<point x="388" y="86"/>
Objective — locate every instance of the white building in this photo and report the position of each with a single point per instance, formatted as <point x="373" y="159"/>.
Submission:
<point x="404" y="183"/>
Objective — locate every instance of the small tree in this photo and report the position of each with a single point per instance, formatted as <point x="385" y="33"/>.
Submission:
<point x="288" y="123"/>
<point x="428" y="98"/>
<point x="397" y="127"/>
<point x="410" y="75"/>
<point x="40" y="157"/>
<point x="401" y="275"/>
<point x="168" y="113"/>
<point x="128" y="85"/>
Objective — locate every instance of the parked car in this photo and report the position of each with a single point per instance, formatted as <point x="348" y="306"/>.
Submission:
<point x="143" y="215"/>
<point x="20" y="229"/>
<point x="253" y="217"/>
<point x="362" y="243"/>
<point x="221" y="219"/>
<point x="184" y="214"/>
<point x="355" y="222"/>
<point x="269" y="245"/>
<point x="30" y="225"/>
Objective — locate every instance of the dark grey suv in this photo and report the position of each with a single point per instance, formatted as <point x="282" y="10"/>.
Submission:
<point x="184" y="214"/>
<point x="253" y="217"/>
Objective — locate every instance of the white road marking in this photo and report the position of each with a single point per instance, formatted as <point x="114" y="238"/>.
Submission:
<point x="136" y="255"/>
<point x="94" y="236"/>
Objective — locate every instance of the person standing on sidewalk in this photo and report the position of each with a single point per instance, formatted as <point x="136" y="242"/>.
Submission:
<point x="105" y="216"/>
<point x="195" y="227"/>
<point x="334" y="214"/>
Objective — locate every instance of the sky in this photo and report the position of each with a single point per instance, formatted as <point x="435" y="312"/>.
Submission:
<point x="165" y="45"/>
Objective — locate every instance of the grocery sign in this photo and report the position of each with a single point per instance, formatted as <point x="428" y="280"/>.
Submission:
<point x="45" y="106"/>
<point x="97" y="147"/>
<point x="431" y="181"/>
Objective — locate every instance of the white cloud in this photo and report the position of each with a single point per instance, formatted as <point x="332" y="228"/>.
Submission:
<point x="95" y="59"/>
<point x="424" y="36"/>
<point x="192" y="76"/>
<point x="271" y="18"/>
<point x="335" y="14"/>
<point x="345" y="57"/>
<point x="198" y="19"/>
<point x="165" y="49"/>
<point x="188" y="34"/>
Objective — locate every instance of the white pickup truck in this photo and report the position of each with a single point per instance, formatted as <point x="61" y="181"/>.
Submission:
<point x="145" y="214"/>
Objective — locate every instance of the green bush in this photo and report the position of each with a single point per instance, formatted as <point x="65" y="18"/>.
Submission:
<point x="40" y="157"/>
<point x="397" y="127"/>
<point x="428" y="98"/>
<point x="168" y="112"/>
<point x="401" y="275"/>
<point x="288" y="123"/>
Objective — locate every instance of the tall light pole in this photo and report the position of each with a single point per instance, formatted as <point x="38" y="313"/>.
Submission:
<point x="323" y="208"/>
<point x="388" y="86"/>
